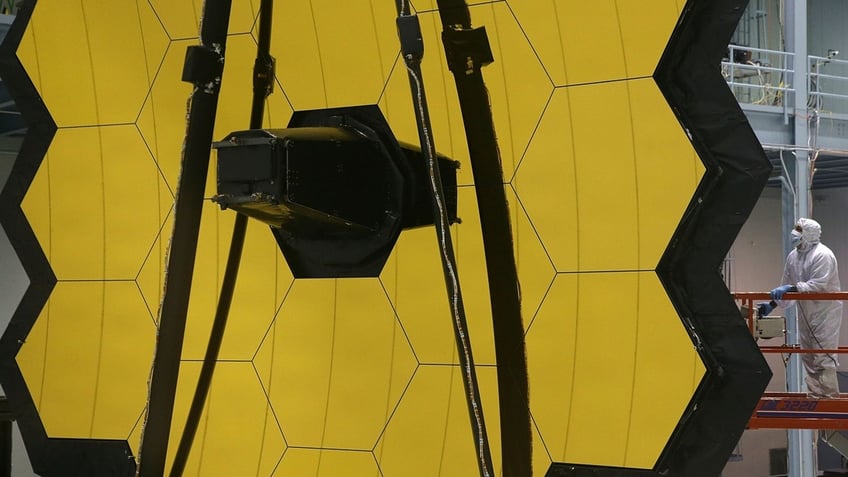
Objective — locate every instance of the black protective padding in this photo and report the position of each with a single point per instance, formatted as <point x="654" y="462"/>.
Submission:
<point x="736" y="173"/>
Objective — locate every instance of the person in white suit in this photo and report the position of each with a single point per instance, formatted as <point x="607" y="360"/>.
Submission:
<point x="811" y="267"/>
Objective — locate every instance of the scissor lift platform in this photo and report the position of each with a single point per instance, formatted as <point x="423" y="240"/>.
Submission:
<point x="785" y="410"/>
<point x="798" y="411"/>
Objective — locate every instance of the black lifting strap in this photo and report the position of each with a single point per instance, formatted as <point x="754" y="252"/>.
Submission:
<point x="204" y="67"/>
<point x="412" y="49"/>
<point x="467" y="51"/>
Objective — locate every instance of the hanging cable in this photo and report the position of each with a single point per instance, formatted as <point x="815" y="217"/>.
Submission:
<point x="215" y="338"/>
<point x="204" y="68"/>
<point x="263" y="77"/>
<point x="412" y="49"/>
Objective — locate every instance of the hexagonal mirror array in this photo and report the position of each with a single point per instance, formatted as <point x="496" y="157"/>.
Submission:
<point x="361" y="376"/>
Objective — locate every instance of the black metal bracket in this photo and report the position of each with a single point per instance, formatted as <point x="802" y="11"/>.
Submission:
<point x="203" y="67"/>
<point x="411" y="43"/>
<point x="264" y="69"/>
<point x="467" y="50"/>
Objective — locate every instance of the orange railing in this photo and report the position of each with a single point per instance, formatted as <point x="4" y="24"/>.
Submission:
<point x="795" y="410"/>
<point x="749" y="300"/>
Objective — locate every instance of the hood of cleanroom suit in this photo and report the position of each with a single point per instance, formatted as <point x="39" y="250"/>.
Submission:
<point x="810" y="233"/>
<point x="812" y="267"/>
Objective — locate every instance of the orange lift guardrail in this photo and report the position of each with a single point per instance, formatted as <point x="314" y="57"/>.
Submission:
<point x="795" y="410"/>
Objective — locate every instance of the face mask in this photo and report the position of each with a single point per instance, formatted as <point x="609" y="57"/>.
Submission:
<point x="795" y="238"/>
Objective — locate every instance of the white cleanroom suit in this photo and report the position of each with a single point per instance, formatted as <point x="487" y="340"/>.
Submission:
<point x="811" y="267"/>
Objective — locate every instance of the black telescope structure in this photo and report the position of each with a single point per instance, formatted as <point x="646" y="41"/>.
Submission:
<point x="335" y="187"/>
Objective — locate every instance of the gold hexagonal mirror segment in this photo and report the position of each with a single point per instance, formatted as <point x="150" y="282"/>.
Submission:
<point x="87" y="359"/>
<point x="335" y="363"/>
<point x="589" y="42"/>
<point x="97" y="203"/>
<point x="598" y="395"/>
<point x="114" y="54"/>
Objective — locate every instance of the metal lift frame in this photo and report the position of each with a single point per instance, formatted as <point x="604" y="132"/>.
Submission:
<point x="785" y="410"/>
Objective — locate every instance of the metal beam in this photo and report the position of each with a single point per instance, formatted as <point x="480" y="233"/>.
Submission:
<point x="795" y="204"/>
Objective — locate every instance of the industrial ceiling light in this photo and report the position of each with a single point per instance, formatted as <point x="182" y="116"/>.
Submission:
<point x="335" y="186"/>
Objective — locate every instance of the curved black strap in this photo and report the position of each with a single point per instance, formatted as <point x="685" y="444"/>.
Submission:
<point x="467" y="51"/>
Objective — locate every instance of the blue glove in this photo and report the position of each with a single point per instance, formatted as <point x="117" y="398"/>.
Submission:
<point x="763" y="309"/>
<point x="778" y="292"/>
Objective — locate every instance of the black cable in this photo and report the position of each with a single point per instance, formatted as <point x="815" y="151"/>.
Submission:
<point x="412" y="49"/>
<point x="216" y="336"/>
<point x="204" y="68"/>
<point x="263" y="76"/>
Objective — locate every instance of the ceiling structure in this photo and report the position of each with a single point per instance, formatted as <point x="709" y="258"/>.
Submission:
<point x="829" y="171"/>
